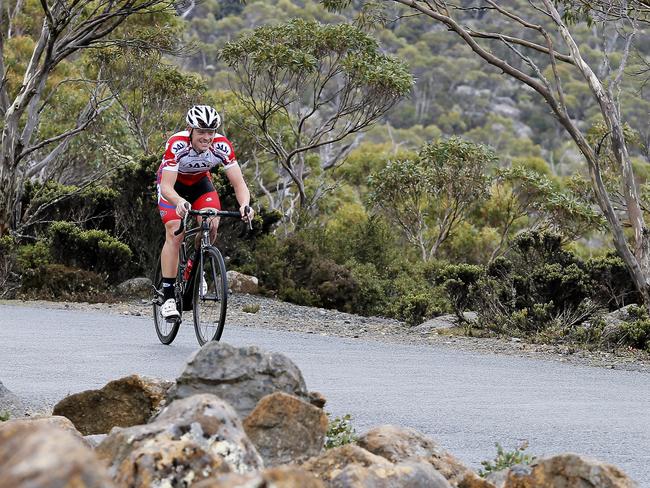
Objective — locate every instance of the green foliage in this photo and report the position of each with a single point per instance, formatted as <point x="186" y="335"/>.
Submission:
<point x="428" y="196"/>
<point x="32" y="256"/>
<point x="506" y="459"/>
<point x="460" y="282"/>
<point x="60" y="282"/>
<point x="4" y="416"/>
<point x="340" y="431"/>
<point x="635" y="331"/>
<point x="93" y="250"/>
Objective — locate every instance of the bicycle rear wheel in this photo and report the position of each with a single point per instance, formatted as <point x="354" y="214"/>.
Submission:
<point x="210" y="296"/>
<point x="165" y="329"/>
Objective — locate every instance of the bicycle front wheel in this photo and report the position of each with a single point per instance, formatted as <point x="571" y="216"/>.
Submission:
<point x="165" y="329"/>
<point x="210" y="296"/>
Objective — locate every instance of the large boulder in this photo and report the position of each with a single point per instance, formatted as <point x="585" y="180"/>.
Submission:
<point x="132" y="400"/>
<point x="41" y="455"/>
<point x="190" y="440"/>
<point x="10" y="403"/>
<point x="567" y="471"/>
<point x="409" y="474"/>
<point x="399" y="444"/>
<point x="241" y="283"/>
<point x="241" y="376"/>
<point x="279" y="477"/>
<point x="286" y="429"/>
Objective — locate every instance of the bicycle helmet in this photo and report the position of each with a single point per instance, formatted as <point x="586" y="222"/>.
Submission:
<point x="203" y="117"/>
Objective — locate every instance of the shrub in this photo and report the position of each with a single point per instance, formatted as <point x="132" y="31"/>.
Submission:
<point x="340" y="432"/>
<point x="460" y="282"/>
<point x="60" y="282"/>
<point x="506" y="459"/>
<point x="8" y="259"/>
<point x="32" y="256"/>
<point x="93" y="250"/>
<point x="4" y="416"/>
<point x="611" y="283"/>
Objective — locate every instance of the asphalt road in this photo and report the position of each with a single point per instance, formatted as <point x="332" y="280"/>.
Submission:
<point x="464" y="401"/>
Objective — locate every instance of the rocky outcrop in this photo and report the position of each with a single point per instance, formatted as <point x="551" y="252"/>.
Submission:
<point x="280" y="477"/>
<point x="286" y="429"/>
<point x="10" y="403"/>
<point x="399" y="444"/>
<point x="326" y="466"/>
<point x="190" y="440"/>
<point x="241" y="283"/>
<point x="132" y="400"/>
<point x="38" y="454"/>
<point x="240" y="376"/>
<point x="567" y="471"/>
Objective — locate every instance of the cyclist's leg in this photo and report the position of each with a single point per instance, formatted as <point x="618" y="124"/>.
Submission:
<point x="169" y="256"/>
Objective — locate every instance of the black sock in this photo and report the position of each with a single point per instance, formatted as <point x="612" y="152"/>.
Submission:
<point x="168" y="288"/>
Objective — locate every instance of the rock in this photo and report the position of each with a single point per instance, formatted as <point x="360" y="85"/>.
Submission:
<point x="329" y="464"/>
<point x="409" y="474"/>
<point x="135" y="288"/>
<point x="55" y="421"/>
<point x="241" y="283"/>
<point x="10" y="403"/>
<point x="121" y="403"/>
<point x="41" y="455"/>
<point x="191" y="439"/>
<point x="280" y="477"/>
<point x="317" y="399"/>
<point x="568" y="471"/>
<point x="443" y="322"/>
<point x="286" y="429"/>
<point x="240" y="376"/>
<point x="398" y="444"/>
<point x="614" y="322"/>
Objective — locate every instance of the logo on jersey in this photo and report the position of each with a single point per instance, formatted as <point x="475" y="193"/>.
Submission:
<point x="209" y="199"/>
<point x="223" y="147"/>
<point x="163" y="213"/>
<point x="177" y="146"/>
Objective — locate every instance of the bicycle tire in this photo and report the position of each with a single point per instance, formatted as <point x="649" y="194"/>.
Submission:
<point x="165" y="330"/>
<point x="210" y="304"/>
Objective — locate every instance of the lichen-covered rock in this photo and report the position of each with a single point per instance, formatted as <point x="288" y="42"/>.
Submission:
<point x="190" y="440"/>
<point x="241" y="376"/>
<point x="41" y="455"/>
<point x="568" y="471"/>
<point x="408" y="474"/>
<point x="329" y="464"/>
<point x="121" y="403"/>
<point x="286" y="429"/>
<point x="402" y="443"/>
<point x="278" y="477"/>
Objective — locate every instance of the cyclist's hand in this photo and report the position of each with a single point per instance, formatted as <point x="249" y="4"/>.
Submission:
<point x="182" y="208"/>
<point x="247" y="213"/>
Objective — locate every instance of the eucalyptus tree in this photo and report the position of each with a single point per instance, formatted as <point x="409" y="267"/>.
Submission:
<point x="309" y="87"/>
<point x="537" y="36"/>
<point x="426" y="197"/>
<point x="53" y="35"/>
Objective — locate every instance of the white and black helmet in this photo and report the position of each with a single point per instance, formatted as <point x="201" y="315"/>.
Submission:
<point x="203" y="117"/>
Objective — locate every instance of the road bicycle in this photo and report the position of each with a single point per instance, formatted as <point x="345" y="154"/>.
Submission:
<point x="205" y="291"/>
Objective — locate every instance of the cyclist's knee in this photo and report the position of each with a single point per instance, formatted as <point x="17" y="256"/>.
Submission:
<point x="170" y="228"/>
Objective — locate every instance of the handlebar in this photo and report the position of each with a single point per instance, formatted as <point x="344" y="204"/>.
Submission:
<point x="211" y="213"/>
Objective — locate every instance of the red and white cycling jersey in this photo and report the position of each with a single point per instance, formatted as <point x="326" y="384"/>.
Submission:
<point x="190" y="165"/>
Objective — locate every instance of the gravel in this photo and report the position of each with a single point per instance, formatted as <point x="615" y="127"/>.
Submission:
<point x="277" y="315"/>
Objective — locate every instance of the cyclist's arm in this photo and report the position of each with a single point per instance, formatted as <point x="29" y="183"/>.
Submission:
<point x="167" y="181"/>
<point x="236" y="179"/>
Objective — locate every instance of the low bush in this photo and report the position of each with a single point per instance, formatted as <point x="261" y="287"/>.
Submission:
<point x="506" y="459"/>
<point x="60" y="282"/>
<point x="9" y="276"/>
<point x="92" y="250"/>
<point x="340" y="431"/>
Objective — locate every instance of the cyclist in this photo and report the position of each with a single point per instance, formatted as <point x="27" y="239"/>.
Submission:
<point x="184" y="181"/>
